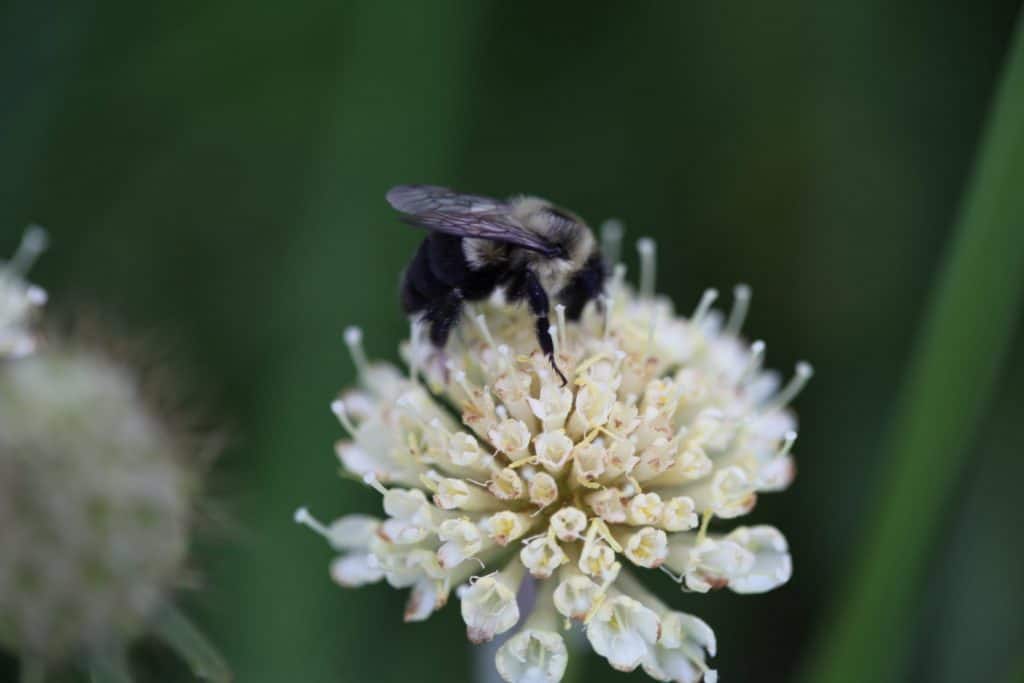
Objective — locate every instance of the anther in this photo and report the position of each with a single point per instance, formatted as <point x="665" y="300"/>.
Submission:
<point x="354" y="340"/>
<point x="740" y="304"/>
<point x="647" y="249"/>
<point x="611" y="240"/>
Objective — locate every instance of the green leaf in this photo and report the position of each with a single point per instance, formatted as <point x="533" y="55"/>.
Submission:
<point x="960" y="350"/>
<point x="182" y="636"/>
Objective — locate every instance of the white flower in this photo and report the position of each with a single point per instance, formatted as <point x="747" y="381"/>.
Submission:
<point x="20" y="301"/>
<point x="624" y="632"/>
<point x="680" y="652"/>
<point x="532" y="657"/>
<point x="665" y="423"/>
<point x="489" y="604"/>
<point x="96" y="496"/>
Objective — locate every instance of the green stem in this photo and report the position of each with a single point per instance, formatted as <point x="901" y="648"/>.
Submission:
<point x="961" y="346"/>
<point x="182" y="636"/>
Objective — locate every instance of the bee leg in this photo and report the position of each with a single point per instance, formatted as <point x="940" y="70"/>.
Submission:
<point x="537" y="299"/>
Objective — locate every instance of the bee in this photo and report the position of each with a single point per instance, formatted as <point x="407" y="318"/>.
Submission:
<point x="525" y="246"/>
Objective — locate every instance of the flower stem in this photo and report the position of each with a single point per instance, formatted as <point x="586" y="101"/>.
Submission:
<point x="959" y="352"/>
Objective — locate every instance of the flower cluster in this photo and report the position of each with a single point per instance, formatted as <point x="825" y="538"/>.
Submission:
<point x="20" y="301"/>
<point x="497" y="479"/>
<point x="97" y="491"/>
<point x="95" y="503"/>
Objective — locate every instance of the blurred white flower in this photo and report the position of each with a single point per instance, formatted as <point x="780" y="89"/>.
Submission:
<point x="95" y="504"/>
<point x="19" y="300"/>
<point x="666" y="423"/>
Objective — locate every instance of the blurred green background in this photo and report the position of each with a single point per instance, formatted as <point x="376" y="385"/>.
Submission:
<point x="214" y="172"/>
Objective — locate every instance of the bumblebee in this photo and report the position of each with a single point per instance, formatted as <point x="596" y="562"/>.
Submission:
<point x="525" y="246"/>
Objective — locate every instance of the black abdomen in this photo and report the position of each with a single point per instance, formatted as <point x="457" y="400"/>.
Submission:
<point x="438" y="268"/>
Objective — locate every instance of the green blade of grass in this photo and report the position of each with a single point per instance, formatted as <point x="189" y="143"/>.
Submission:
<point x="961" y="347"/>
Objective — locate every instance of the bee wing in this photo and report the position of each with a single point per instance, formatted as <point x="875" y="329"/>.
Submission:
<point x="465" y="215"/>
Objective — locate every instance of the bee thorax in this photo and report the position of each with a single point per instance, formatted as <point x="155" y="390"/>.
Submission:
<point x="481" y="253"/>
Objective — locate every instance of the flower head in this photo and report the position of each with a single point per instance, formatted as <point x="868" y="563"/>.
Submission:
<point x="94" y="504"/>
<point x="666" y="422"/>
<point x="20" y="301"/>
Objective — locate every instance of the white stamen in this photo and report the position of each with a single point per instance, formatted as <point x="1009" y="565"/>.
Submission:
<point x="787" y="444"/>
<point x="463" y="381"/>
<point x="414" y="349"/>
<point x="555" y="341"/>
<point x="754" y="362"/>
<point x="36" y="295"/>
<point x="706" y="299"/>
<point x="370" y="479"/>
<point x="302" y="516"/>
<point x="803" y="373"/>
<point x="481" y="323"/>
<point x="562" y="329"/>
<point x="354" y="340"/>
<point x="33" y="243"/>
<point x="611" y="240"/>
<point x="647" y="249"/>
<point x="740" y="304"/>
<point x="338" y="408"/>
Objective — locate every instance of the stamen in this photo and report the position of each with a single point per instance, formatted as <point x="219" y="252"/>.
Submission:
<point x="303" y="517"/>
<point x="354" y="339"/>
<point x="463" y="382"/>
<point x="754" y="362"/>
<point x="338" y="408"/>
<point x="555" y="342"/>
<point x="651" y="327"/>
<point x="585" y="365"/>
<point x="804" y="372"/>
<point x="36" y="296"/>
<point x="611" y="240"/>
<point x="787" y="444"/>
<point x="370" y="479"/>
<point x="740" y="304"/>
<point x="647" y="249"/>
<point x="703" y="533"/>
<point x="414" y="349"/>
<point x="33" y="243"/>
<point x="481" y="323"/>
<point x="678" y="578"/>
<point x="706" y="299"/>
<point x="563" y="330"/>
